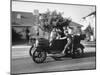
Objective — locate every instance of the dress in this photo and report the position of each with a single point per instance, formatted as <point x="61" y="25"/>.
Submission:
<point x="53" y="36"/>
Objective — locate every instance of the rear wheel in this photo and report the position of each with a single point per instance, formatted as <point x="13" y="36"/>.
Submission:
<point x="78" y="53"/>
<point x="68" y="53"/>
<point x="39" y="56"/>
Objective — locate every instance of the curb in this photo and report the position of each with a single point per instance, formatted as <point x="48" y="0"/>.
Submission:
<point x="21" y="46"/>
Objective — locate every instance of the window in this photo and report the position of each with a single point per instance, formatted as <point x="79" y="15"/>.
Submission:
<point x="18" y="16"/>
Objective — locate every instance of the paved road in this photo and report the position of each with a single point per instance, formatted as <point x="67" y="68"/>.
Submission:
<point x="22" y="62"/>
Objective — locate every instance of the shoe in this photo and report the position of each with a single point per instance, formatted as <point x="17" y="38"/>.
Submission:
<point x="63" y="53"/>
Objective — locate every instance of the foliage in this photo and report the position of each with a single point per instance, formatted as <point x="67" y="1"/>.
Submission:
<point x="89" y="30"/>
<point x="49" y="20"/>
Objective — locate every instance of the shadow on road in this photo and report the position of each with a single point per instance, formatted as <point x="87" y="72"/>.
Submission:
<point x="89" y="54"/>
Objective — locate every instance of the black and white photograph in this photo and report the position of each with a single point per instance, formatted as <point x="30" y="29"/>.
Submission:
<point x="52" y="37"/>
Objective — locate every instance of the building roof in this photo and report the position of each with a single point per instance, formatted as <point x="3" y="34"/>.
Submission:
<point x="22" y="18"/>
<point x="74" y="24"/>
<point x="92" y="13"/>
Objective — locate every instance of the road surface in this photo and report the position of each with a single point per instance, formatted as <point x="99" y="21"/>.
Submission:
<point x="21" y="62"/>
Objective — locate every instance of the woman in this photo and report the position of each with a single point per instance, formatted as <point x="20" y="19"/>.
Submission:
<point x="53" y="36"/>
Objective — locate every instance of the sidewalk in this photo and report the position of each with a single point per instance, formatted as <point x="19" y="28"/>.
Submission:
<point x="21" y="46"/>
<point x="89" y="44"/>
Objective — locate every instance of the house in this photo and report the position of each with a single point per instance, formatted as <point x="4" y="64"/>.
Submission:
<point x="75" y="27"/>
<point x="89" y="21"/>
<point x="20" y="21"/>
<point x="22" y="18"/>
<point x="23" y="21"/>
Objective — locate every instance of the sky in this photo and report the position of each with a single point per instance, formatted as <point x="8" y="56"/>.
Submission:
<point x="76" y="12"/>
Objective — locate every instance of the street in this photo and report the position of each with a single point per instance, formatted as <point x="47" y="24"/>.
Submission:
<point x="21" y="62"/>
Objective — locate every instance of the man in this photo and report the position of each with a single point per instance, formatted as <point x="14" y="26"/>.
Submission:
<point x="68" y="39"/>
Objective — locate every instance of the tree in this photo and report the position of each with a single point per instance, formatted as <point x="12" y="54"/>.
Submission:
<point x="48" y="20"/>
<point x="89" y="32"/>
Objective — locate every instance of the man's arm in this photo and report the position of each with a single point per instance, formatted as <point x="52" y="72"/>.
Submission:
<point x="62" y="38"/>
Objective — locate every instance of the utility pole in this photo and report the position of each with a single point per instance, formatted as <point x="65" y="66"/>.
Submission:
<point x="36" y="14"/>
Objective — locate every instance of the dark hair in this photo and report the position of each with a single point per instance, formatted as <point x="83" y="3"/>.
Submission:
<point x="66" y="31"/>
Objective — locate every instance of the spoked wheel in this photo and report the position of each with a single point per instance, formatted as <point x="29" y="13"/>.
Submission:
<point x="78" y="53"/>
<point x="67" y="53"/>
<point x="39" y="56"/>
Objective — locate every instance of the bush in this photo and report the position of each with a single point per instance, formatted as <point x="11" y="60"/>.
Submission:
<point x="15" y="36"/>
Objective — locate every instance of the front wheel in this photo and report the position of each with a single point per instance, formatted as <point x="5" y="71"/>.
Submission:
<point x="39" y="55"/>
<point x="78" y="53"/>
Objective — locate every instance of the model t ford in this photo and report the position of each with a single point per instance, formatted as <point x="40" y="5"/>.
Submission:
<point x="42" y="49"/>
